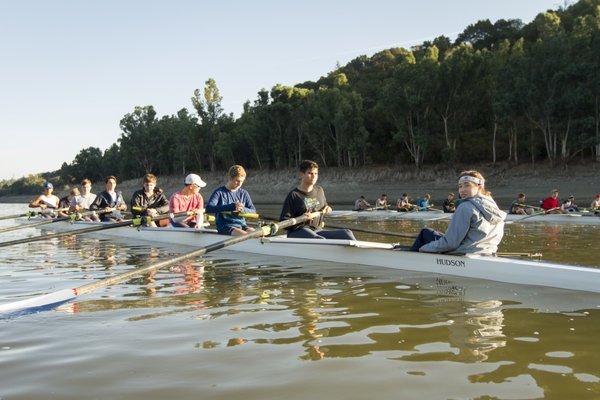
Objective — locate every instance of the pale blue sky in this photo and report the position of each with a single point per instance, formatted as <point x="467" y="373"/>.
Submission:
<point x="69" y="70"/>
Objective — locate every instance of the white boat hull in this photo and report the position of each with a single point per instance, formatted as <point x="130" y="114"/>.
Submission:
<point x="497" y="269"/>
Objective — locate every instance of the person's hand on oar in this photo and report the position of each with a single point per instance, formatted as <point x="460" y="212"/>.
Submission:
<point x="52" y="300"/>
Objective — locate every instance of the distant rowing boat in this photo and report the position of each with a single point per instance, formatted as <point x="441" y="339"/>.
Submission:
<point x="572" y="218"/>
<point x="374" y="254"/>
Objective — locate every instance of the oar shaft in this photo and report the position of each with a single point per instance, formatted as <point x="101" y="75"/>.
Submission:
<point x="93" y="228"/>
<point x="33" y="224"/>
<point x="62" y="234"/>
<point x="4" y="217"/>
<point x="265" y="231"/>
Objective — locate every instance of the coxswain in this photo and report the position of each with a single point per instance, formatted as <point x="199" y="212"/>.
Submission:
<point x="150" y="201"/>
<point x="188" y="200"/>
<point x="109" y="202"/>
<point x="228" y="201"/>
<point x="308" y="197"/>
<point x="477" y="226"/>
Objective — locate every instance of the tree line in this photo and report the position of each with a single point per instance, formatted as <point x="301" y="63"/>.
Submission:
<point x="502" y="91"/>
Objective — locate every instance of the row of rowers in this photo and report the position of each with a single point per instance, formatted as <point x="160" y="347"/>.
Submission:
<point x="405" y="203"/>
<point x="477" y="226"/>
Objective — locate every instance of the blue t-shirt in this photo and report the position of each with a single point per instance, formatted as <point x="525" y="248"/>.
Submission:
<point x="223" y="199"/>
<point x="423" y="203"/>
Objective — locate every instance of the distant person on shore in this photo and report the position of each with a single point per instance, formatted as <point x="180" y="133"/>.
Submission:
<point x="83" y="201"/>
<point x="382" y="202"/>
<point x="150" y="200"/>
<point x="46" y="201"/>
<point x="477" y="226"/>
<point x="361" y="204"/>
<point x="595" y="205"/>
<point x="308" y="197"/>
<point x="188" y="200"/>
<point x="551" y="204"/>
<point x="403" y="204"/>
<point x="228" y="201"/>
<point x="569" y="205"/>
<point x="110" y="202"/>
<point x="424" y="203"/>
<point x="519" y="207"/>
<point x="65" y="202"/>
<point x="449" y="206"/>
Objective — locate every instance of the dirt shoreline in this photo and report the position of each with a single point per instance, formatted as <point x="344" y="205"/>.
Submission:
<point x="343" y="185"/>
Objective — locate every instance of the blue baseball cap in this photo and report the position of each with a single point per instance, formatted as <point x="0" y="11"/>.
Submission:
<point x="48" y="185"/>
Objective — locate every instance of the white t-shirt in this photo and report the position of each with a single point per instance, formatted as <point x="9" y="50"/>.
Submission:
<point x="83" y="201"/>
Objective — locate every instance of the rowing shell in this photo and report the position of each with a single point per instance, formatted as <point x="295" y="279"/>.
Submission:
<point x="573" y="218"/>
<point x="515" y="271"/>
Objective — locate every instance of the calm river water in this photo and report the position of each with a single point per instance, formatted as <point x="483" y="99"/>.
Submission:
<point x="235" y="326"/>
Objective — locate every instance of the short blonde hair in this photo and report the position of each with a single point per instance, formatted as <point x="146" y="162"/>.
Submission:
<point x="235" y="171"/>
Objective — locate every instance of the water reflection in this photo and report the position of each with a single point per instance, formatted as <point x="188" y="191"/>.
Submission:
<point x="393" y="333"/>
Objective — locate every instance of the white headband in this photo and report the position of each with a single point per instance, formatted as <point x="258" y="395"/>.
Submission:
<point x="472" y="179"/>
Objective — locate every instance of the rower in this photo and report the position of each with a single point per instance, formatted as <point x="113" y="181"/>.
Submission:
<point x="595" y="206"/>
<point x="228" y="201"/>
<point x="569" y="205"/>
<point x="47" y="200"/>
<point x="403" y="203"/>
<point x="110" y="201"/>
<point x="423" y="204"/>
<point x="150" y="201"/>
<point x="361" y="204"/>
<point x="382" y="202"/>
<point x="519" y="207"/>
<point x="449" y="206"/>
<point x="83" y="201"/>
<point x="188" y="200"/>
<point x="306" y="198"/>
<point x="477" y="226"/>
<point x="65" y="202"/>
<point x="550" y="204"/>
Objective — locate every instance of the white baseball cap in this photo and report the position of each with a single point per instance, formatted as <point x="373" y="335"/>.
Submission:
<point x="193" y="179"/>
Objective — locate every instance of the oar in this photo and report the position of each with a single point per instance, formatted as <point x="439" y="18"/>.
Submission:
<point x="51" y="300"/>
<point x="375" y="232"/>
<point x="34" y="224"/>
<point x="545" y="212"/>
<point x="31" y="213"/>
<point x="95" y="228"/>
<point x="47" y="221"/>
<point x="241" y="214"/>
<point x="27" y="214"/>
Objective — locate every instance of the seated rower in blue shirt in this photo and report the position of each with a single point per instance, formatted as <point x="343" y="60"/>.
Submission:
<point x="423" y="204"/>
<point x="230" y="200"/>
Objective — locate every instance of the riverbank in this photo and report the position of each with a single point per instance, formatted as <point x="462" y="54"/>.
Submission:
<point x="344" y="185"/>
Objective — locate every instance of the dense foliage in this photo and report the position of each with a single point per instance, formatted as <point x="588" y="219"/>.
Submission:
<point x="501" y="91"/>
